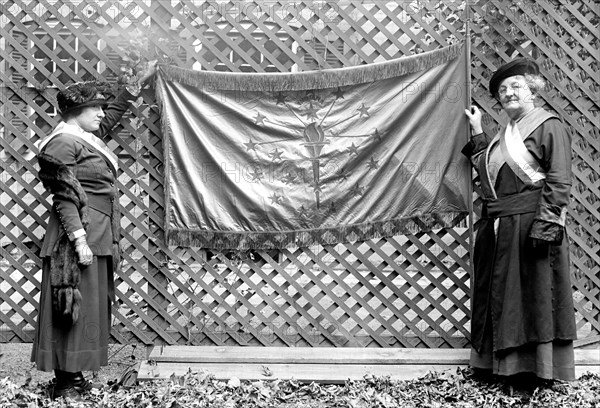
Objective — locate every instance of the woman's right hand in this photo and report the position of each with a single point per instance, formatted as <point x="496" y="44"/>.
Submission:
<point x="147" y="72"/>
<point x="474" y="115"/>
<point x="84" y="252"/>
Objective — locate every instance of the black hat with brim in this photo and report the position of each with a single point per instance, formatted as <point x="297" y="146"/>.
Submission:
<point x="92" y="102"/>
<point x="83" y="94"/>
<point x="520" y="66"/>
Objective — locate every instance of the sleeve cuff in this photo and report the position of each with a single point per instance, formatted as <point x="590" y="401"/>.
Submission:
<point x="552" y="213"/>
<point x="547" y="231"/>
<point x="477" y="143"/>
<point x="76" y="234"/>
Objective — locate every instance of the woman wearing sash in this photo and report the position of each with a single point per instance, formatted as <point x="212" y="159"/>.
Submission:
<point x="523" y="322"/>
<point x="80" y="250"/>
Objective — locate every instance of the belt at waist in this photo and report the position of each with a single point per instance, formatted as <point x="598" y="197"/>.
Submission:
<point x="100" y="202"/>
<point x="522" y="203"/>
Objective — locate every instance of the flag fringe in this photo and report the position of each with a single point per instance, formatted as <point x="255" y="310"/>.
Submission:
<point x="323" y="79"/>
<point x="220" y="240"/>
<point x="166" y="132"/>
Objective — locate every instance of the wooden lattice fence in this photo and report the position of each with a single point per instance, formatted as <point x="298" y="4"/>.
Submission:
<point x="406" y="291"/>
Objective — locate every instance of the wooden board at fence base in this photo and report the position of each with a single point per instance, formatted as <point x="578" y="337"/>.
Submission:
<point x="321" y="373"/>
<point x="325" y="365"/>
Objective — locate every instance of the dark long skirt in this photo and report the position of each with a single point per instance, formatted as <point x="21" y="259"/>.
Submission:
<point x="84" y="345"/>
<point x="522" y="311"/>
<point x="551" y="360"/>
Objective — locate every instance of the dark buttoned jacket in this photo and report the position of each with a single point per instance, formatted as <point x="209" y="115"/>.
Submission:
<point x="95" y="176"/>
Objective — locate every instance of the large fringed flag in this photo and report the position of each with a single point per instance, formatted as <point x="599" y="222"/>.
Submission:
<point x="294" y="159"/>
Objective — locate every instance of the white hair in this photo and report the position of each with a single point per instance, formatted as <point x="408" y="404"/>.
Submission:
<point x="535" y="83"/>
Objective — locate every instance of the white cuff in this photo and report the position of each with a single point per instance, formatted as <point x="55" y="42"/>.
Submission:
<point x="76" y="234"/>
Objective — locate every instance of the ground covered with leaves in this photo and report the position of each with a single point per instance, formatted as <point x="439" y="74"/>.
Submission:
<point x="21" y="385"/>
<point x="435" y="390"/>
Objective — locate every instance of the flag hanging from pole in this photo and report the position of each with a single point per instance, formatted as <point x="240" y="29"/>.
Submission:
<point x="259" y="161"/>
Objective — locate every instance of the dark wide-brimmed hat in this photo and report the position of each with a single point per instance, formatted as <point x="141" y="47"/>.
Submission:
<point x="82" y="94"/>
<point x="520" y="66"/>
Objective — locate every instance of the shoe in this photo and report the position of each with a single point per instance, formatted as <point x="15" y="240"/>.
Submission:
<point x="81" y="385"/>
<point x="68" y="393"/>
<point x="481" y="375"/>
<point x="526" y="382"/>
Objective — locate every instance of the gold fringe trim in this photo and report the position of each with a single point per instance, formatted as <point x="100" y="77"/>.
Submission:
<point x="222" y="240"/>
<point x="297" y="81"/>
<point x="166" y="132"/>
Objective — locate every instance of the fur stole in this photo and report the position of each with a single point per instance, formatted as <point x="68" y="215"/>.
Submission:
<point x="65" y="272"/>
<point x="115" y="219"/>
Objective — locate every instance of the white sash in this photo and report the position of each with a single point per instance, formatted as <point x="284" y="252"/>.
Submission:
<point x="518" y="158"/>
<point x="87" y="139"/>
<point x="508" y="147"/>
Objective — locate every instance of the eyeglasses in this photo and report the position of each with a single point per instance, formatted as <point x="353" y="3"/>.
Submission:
<point x="514" y="87"/>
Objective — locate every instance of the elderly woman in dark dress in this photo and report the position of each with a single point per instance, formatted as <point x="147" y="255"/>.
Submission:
<point x="523" y="322"/>
<point x="80" y="249"/>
